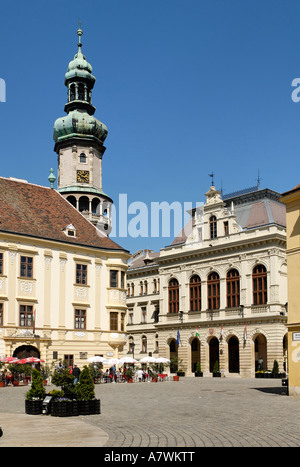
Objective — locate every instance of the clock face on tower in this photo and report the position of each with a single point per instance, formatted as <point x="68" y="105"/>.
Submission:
<point x="83" y="176"/>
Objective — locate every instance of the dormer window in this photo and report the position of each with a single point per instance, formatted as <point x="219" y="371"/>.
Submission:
<point x="70" y="231"/>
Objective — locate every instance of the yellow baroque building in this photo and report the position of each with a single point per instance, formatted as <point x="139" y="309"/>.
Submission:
<point x="292" y="201"/>
<point x="216" y="296"/>
<point x="62" y="282"/>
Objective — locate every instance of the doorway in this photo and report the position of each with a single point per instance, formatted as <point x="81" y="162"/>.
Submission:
<point x="233" y="355"/>
<point x="213" y="353"/>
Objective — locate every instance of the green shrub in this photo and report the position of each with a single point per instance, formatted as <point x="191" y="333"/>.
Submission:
<point x="275" y="370"/>
<point x="65" y="380"/>
<point x="37" y="390"/>
<point x="85" y="388"/>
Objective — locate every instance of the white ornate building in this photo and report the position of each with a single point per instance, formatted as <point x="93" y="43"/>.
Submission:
<point x="220" y="287"/>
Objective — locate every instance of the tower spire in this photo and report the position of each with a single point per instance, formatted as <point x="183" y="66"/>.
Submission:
<point x="79" y="34"/>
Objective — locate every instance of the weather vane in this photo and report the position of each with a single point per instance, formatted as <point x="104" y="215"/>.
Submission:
<point x="212" y="178"/>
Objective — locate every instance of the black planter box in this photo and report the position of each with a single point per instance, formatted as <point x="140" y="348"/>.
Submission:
<point x="64" y="408"/>
<point x="180" y="373"/>
<point x="217" y="374"/>
<point x="198" y="373"/>
<point x="90" y="407"/>
<point x="33" y="407"/>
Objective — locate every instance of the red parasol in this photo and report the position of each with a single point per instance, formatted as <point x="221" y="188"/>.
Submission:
<point x="30" y="360"/>
<point x="9" y="359"/>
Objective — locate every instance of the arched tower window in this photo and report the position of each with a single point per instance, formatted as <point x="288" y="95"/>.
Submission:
<point x="72" y="92"/>
<point x="82" y="158"/>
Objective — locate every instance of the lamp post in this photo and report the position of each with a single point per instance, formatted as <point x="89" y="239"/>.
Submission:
<point x="132" y="347"/>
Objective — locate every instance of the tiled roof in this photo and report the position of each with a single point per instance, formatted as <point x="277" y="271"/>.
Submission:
<point x="37" y="211"/>
<point x="143" y="258"/>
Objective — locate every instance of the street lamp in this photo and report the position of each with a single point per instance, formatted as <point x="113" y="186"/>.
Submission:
<point x="132" y="347"/>
<point x="180" y="316"/>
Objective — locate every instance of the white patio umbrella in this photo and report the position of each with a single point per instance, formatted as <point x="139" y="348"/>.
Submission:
<point x="97" y="359"/>
<point x="128" y="360"/>
<point x="148" y="360"/>
<point x="112" y="361"/>
<point x="162" y="360"/>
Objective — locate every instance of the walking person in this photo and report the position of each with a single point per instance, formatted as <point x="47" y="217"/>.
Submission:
<point x="76" y="372"/>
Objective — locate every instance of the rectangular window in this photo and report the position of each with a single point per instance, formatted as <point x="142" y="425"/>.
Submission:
<point x="130" y="318"/>
<point x="80" y="319"/>
<point x="226" y="229"/>
<point x="26" y="269"/>
<point x="113" y="278"/>
<point x="123" y="322"/>
<point x="68" y="360"/>
<point x="113" y="321"/>
<point x="26" y="316"/>
<point x="1" y="314"/>
<point x="122" y="279"/>
<point x="144" y="315"/>
<point x="1" y="263"/>
<point x="81" y="274"/>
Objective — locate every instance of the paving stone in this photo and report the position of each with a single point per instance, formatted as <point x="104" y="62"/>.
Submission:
<point x="196" y="412"/>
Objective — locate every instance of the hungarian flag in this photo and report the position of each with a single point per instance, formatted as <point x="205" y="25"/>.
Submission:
<point x="221" y="333"/>
<point x="197" y="333"/>
<point x="245" y="332"/>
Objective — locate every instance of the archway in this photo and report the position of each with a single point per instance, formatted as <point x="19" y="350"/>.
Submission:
<point x="260" y="346"/>
<point x="173" y="355"/>
<point x="213" y="353"/>
<point x="25" y="351"/>
<point x="84" y="204"/>
<point x="72" y="200"/>
<point x="233" y="355"/>
<point x="195" y="353"/>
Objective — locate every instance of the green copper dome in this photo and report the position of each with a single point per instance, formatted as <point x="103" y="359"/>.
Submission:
<point x="79" y="68"/>
<point x="79" y="124"/>
<point x="79" y="121"/>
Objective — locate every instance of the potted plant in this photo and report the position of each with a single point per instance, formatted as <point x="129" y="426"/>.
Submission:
<point x="2" y="380"/>
<point x="85" y="391"/>
<point x="35" y="395"/>
<point x="15" y="371"/>
<point x="64" y="403"/>
<point x="45" y="372"/>
<point x="198" y="371"/>
<point x="275" y="370"/>
<point x="129" y="375"/>
<point x="154" y="376"/>
<point x="216" y="372"/>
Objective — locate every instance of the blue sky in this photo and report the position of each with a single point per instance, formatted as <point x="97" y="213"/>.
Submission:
<point x="185" y="88"/>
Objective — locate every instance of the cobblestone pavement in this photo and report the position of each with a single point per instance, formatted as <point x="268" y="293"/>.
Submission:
<point x="194" y="412"/>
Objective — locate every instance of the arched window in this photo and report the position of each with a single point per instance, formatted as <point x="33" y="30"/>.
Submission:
<point x="213" y="291"/>
<point x="173" y="296"/>
<point x="195" y="293"/>
<point x="144" y="344"/>
<point x="259" y="281"/>
<point x="233" y="288"/>
<point x="72" y="92"/>
<point x="82" y="158"/>
<point x="83" y="203"/>
<point x="213" y="227"/>
<point x="81" y="92"/>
